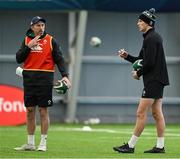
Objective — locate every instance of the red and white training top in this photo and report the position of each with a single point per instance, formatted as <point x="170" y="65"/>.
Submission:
<point x="40" y="57"/>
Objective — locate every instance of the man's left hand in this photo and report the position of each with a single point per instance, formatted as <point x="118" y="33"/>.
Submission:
<point x="135" y="76"/>
<point x="67" y="81"/>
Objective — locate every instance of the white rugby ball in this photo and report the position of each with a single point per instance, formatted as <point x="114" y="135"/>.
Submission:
<point x="95" y="41"/>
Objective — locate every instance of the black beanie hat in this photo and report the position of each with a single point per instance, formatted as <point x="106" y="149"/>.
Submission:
<point x="148" y="17"/>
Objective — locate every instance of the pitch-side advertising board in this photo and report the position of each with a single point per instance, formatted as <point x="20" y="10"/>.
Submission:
<point x="12" y="110"/>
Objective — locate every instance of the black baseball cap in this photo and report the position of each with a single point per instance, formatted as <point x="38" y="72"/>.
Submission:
<point x="37" y="19"/>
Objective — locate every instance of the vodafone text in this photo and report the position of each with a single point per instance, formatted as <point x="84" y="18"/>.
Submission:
<point x="8" y="106"/>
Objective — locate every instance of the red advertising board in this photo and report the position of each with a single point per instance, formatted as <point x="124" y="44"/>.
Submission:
<point x="12" y="110"/>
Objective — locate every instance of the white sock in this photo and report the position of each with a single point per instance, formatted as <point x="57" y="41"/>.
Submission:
<point x="31" y="140"/>
<point x="132" y="141"/>
<point x="160" y="142"/>
<point x="43" y="139"/>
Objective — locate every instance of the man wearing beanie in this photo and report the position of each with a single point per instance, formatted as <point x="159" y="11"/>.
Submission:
<point x="155" y="78"/>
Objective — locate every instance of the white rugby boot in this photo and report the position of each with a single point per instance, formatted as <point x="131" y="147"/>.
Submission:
<point x="26" y="147"/>
<point x="42" y="148"/>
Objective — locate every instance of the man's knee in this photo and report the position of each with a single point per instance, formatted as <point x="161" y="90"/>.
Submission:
<point x="157" y="116"/>
<point x="30" y="112"/>
<point x="43" y="112"/>
<point x="140" y="114"/>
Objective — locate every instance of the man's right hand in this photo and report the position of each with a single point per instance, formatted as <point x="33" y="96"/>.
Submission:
<point x="122" y="53"/>
<point x="34" y="42"/>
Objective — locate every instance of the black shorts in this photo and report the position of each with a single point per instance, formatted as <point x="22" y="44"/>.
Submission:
<point x="38" y="96"/>
<point x="153" y="90"/>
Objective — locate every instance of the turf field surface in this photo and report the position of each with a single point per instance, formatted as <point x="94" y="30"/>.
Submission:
<point x="94" y="141"/>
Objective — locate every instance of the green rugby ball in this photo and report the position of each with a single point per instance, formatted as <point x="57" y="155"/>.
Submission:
<point x="61" y="87"/>
<point x="137" y="65"/>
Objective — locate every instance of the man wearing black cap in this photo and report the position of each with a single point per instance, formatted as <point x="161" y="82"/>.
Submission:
<point x="155" y="77"/>
<point x="39" y="53"/>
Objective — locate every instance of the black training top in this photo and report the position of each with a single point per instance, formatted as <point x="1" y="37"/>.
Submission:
<point x="154" y="63"/>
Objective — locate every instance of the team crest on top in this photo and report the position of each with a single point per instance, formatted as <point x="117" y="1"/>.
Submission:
<point x="44" y="41"/>
<point x="37" y="48"/>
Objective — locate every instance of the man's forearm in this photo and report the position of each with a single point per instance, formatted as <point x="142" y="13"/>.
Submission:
<point x="22" y="54"/>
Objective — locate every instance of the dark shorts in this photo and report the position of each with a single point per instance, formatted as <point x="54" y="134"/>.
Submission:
<point x="153" y="90"/>
<point x="38" y="96"/>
